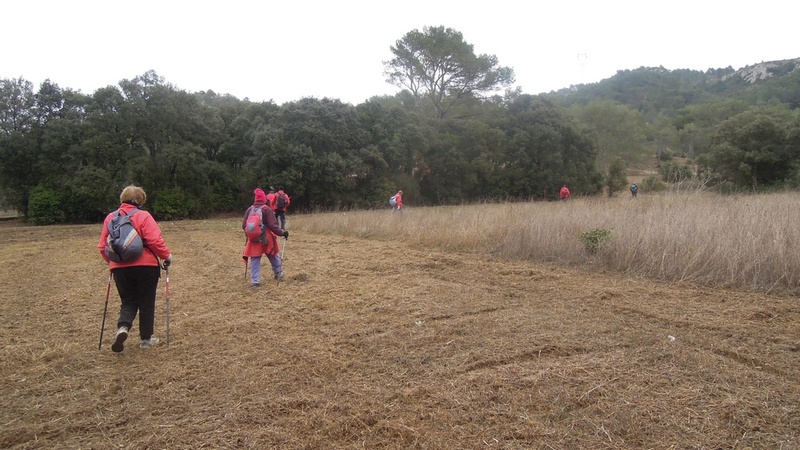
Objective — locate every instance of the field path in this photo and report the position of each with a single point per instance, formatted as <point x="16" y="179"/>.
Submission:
<point x="376" y="344"/>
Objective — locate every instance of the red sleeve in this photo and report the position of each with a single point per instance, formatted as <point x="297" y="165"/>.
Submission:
<point x="151" y="234"/>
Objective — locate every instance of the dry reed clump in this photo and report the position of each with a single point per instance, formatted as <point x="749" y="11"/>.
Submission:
<point x="735" y="241"/>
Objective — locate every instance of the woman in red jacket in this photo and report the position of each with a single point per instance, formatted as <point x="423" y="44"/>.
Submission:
<point x="137" y="280"/>
<point x="268" y="246"/>
<point x="398" y="198"/>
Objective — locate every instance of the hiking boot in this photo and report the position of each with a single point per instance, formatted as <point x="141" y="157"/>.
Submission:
<point x="279" y="275"/>
<point x="147" y="343"/>
<point x="255" y="284"/>
<point x="119" y="340"/>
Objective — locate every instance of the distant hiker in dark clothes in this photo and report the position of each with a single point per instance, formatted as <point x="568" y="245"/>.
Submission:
<point x="280" y="203"/>
<point x="137" y="280"/>
<point x="267" y="245"/>
<point x="634" y="190"/>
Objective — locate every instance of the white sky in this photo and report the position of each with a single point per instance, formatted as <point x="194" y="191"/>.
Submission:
<point x="286" y="50"/>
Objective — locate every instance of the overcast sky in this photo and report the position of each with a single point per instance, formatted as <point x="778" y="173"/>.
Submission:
<point x="284" y="51"/>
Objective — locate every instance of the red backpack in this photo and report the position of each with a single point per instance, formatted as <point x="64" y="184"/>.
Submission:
<point x="254" y="226"/>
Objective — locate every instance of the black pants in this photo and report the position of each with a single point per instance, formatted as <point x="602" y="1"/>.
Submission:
<point x="137" y="289"/>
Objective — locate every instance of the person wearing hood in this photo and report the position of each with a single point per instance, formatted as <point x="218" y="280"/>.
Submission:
<point x="268" y="244"/>
<point x="271" y="198"/>
<point x="565" y="194"/>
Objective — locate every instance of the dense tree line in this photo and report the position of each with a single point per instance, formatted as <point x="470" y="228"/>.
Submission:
<point x="446" y="138"/>
<point x="66" y="156"/>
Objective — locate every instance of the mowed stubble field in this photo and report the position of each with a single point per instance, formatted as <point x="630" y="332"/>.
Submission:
<point x="378" y="344"/>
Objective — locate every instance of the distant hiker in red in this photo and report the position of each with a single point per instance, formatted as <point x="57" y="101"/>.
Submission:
<point x="271" y="198"/>
<point x="136" y="279"/>
<point x="261" y="229"/>
<point x="565" y="194"/>
<point x="398" y="201"/>
<point x="280" y="203"/>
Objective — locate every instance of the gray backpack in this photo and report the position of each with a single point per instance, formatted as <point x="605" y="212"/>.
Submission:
<point x="124" y="243"/>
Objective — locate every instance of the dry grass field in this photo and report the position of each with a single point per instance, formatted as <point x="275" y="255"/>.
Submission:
<point x="372" y="342"/>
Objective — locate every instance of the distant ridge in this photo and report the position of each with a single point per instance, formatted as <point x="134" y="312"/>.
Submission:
<point x="764" y="70"/>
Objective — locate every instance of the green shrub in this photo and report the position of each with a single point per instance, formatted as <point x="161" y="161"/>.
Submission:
<point x="617" y="180"/>
<point x="171" y="204"/>
<point x="674" y="173"/>
<point x="665" y="155"/>
<point x="595" y="239"/>
<point x="653" y="184"/>
<point x="44" y="206"/>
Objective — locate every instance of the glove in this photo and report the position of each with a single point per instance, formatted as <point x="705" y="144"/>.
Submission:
<point x="285" y="234"/>
<point x="168" y="261"/>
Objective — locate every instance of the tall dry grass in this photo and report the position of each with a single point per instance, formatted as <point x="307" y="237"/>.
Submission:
<point x="729" y="241"/>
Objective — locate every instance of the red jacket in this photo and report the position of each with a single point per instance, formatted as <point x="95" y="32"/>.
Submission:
<point x="256" y="249"/>
<point x="399" y="199"/>
<point x="273" y="203"/>
<point x="565" y="192"/>
<point x="150" y="233"/>
<point x="271" y="199"/>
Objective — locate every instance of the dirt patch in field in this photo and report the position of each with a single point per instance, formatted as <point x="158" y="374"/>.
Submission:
<point x="375" y="344"/>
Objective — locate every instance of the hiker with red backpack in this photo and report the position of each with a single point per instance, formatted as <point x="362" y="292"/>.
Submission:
<point x="262" y="231"/>
<point x="280" y="203"/>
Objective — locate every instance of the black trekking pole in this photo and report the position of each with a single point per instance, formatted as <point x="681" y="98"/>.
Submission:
<point x="246" y="261"/>
<point x="105" y="312"/>
<point x="166" y="282"/>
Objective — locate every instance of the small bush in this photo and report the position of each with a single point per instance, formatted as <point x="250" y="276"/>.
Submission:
<point x="665" y="155"/>
<point x="44" y="206"/>
<point x="674" y="173"/>
<point x="595" y="239"/>
<point x="171" y="204"/>
<point x="617" y="180"/>
<point x="653" y="184"/>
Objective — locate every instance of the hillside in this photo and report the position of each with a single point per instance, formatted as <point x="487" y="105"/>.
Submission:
<point x="656" y="89"/>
